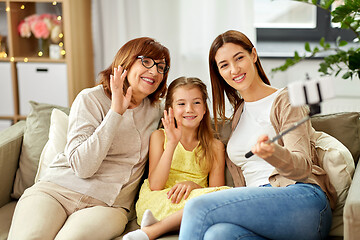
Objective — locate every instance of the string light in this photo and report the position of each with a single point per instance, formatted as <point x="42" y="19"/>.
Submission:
<point x="26" y="59"/>
<point x="54" y="3"/>
<point x="40" y="53"/>
<point x="61" y="44"/>
<point x="12" y="59"/>
<point x="22" y="6"/>
<point x="59" y="18"/>
<point x="7" y="9"/>
<point x="61" y="35"/>
<point x="63" y="52"/>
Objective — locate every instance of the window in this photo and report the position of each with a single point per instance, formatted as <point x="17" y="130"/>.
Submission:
<point x="294" y="21"/>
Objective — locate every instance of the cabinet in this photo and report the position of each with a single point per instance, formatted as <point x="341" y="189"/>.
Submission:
<point x="6" y="103"/>
<point x="26" y="76"/>
<point x="41" y="82"/>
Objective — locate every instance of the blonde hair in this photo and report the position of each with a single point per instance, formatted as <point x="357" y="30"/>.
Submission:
<point x="205" y="153"/>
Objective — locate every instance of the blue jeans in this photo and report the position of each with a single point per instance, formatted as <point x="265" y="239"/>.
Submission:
<point x="299" y="211"/>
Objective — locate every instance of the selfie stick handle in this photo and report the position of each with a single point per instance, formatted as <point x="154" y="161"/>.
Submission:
<point x="295" y="125"/>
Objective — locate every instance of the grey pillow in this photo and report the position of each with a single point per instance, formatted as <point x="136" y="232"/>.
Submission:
<point x="344" y="127"/>
<point x="35" y="137"/>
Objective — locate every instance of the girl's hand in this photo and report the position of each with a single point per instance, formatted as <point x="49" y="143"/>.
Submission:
<point x="173" y="134"/>
<point x="181" y="191"/>
<point x="262" y="148"/>
<point x="119" y="102"/>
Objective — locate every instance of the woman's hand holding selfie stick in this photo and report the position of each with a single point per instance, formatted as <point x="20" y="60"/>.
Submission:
<point x="314" y="92"/>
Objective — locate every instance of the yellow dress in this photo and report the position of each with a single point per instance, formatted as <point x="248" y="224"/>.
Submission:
<point x="183" y="168"/>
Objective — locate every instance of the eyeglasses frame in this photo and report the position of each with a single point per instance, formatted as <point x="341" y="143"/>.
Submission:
<point x="155" y="63"/>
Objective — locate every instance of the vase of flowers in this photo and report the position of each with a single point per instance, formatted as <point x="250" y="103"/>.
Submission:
<point x="45" y="27"/>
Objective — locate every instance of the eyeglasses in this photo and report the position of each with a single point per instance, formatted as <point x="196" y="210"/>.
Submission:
<point x="148" y="62"/>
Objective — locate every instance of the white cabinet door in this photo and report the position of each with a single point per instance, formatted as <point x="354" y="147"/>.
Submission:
<point x="6" y="90"/>
<point x="42" y="82"/>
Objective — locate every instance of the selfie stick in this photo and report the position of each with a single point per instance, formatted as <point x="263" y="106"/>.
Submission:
<point x="314" y="109"/>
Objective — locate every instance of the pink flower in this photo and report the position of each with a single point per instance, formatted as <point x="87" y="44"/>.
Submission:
<point x="31" y="19"/>
<point x="40" y="30"/>
<point x="40" y="25"/>
<point x="55" y="32"/>
<point x="24" y="29"/>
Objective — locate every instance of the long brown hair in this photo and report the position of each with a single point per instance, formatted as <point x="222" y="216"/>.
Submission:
<point x="126" y="57"/>
<point x="205" y="153"/>
<point x="218" y="84"/>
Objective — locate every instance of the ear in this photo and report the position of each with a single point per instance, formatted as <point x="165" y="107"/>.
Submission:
<point x="254" y="54"/>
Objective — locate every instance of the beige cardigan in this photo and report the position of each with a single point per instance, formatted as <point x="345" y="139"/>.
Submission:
<point x="298" y="161"/>
<point x="106" y="152"/>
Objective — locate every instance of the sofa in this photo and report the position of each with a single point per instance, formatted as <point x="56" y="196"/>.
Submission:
<point x="22" y="145"/>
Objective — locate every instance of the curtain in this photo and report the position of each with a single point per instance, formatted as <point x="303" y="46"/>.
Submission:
<point x="186" y="27"/>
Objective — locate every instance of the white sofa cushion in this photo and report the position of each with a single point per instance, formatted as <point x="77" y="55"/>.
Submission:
<point x="56" y="143"/>
<point x="338" y="163"/>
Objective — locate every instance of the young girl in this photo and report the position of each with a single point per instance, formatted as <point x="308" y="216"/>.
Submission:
<point x="184" y="159"/>
<point x="281" y="192"/>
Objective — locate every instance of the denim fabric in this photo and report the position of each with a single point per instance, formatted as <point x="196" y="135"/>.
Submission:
<point x="299" y="211"/>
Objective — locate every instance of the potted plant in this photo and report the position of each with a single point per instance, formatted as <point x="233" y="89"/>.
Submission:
<point x="340" y="58"/>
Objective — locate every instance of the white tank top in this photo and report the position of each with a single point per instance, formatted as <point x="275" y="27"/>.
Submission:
<point x="254" y="121"/>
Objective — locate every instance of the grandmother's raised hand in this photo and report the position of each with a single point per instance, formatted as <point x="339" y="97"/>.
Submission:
<point x="173" y="133"/>
<point x="263" y="148"/>
<point x="119" y="102"/>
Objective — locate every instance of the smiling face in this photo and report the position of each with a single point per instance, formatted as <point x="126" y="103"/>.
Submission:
<point x="144" y="81"/>
<point x="189" y="106"/>
<point x="237" y="66"/>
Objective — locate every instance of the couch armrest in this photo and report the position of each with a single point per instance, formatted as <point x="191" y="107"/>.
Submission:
<point x="352" y="208"/>
<point x="10" y="148"/>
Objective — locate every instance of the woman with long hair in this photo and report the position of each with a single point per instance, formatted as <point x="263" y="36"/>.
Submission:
<point x="281" y="192"/>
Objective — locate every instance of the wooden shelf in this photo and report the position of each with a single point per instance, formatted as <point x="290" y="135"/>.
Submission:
<point x="38" y="59"/>
<point x="77" y="43"/>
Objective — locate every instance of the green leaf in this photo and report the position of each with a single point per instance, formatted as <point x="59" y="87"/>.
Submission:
<point x="289" y="62"/>
<point x="307" y="47"/>
<point x="323" y="68"/>
<point x="343" y="43"/>
<point x="347" y="75"/>
<point x="337" y="73"/>
<point x="354" y="61"/>
<point x="322" y="42"/>
<point x="354" y="24"/>
<point x="327" y="4"/>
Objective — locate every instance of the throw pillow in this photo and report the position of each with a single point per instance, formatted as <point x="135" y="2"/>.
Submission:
<point x="345" y="126"/>
<point x="338" y="163"/>
<point x="56" y="143"/>
<point x="35" y="138"/>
